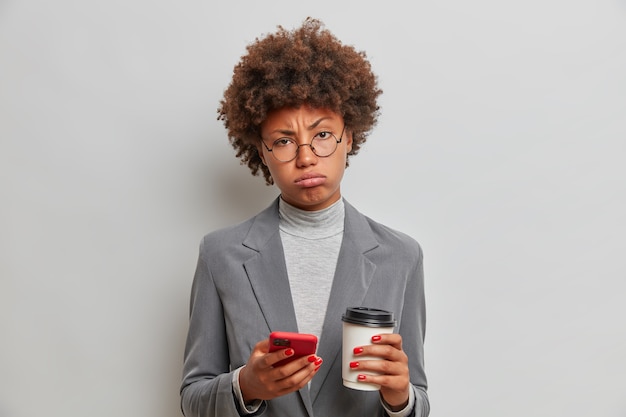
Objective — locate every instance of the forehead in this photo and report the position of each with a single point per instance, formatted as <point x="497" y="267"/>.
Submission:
<point x="295" y="118"/>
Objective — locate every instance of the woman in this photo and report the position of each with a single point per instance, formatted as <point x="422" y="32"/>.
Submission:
<point x="299" y="105"/>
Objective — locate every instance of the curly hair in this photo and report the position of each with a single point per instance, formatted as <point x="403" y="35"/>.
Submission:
<point x="308" y="65"/>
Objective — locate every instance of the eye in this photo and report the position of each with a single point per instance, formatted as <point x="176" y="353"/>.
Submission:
<point x="323" y="135"/>
<point x="283" y="142"/>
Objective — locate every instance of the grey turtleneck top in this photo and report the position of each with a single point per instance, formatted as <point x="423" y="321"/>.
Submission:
<point x="311" y="242"/>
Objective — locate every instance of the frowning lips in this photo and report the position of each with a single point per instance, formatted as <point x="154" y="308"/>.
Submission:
<point x="310" y="179"/>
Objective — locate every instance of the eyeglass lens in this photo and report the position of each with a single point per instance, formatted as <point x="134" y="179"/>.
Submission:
<point x="322" y="145"/>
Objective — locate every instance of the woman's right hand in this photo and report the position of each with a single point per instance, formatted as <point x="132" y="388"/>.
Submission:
<point x="260" y="380"/>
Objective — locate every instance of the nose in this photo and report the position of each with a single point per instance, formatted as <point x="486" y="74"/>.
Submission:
<point x="305" y="155"/>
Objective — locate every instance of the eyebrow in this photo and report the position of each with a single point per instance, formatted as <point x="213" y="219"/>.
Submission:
<point x="310" y="127"/>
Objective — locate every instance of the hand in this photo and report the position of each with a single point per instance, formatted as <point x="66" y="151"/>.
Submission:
<point x="260" y="380"/>
<point x="393" y="367"/>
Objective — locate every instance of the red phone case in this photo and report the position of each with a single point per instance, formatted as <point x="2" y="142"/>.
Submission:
<point x="303" y="344"/>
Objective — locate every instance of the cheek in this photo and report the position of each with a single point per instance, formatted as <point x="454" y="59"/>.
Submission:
<point x="344" y="156"/>
<point x="276" y="173"/>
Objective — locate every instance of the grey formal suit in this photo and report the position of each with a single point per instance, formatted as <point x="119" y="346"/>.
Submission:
<point x="241" y="293"/>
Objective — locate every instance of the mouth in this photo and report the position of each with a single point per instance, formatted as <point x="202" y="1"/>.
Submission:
<point x="310" y="180"/>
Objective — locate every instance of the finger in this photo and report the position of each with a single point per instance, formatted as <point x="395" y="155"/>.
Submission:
<point x="279" y="358"/>
<point x="382" y="351"/>
<point x="259" y="356"/>
<point x="263" y="346"/>
<point x="386" y="382"/>
<point x="382" y="367"/>
<point x="392" y="339"/>
<point x="305" y="370"/>
<point x="289" y="368"/>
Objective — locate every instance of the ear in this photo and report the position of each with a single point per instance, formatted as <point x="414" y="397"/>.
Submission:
<point x="348" y="141"/>
<point x="259" y="150"/>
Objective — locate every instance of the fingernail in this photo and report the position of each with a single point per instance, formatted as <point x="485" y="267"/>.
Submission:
<point x="354" y="364"/>
<point x="358" y="350"/>
<point x="289" y="352"/>
<point x="319" y="362"/>
<point x="361" y="377"/>
<point x="312" y="358"/>
<point x="317" y="368"/>
<point x="376" y="338"/>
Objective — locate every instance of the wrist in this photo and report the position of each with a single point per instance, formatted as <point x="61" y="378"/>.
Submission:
<point x="246" y="396"/>
<point x="243" y="407"/>
<point x="407" y="409"/>
<point x="396" y="408"/>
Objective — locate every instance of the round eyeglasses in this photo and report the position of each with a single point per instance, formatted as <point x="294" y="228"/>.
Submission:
<point x="323" y="144"/>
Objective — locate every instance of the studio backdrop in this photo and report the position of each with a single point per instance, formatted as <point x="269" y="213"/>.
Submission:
<point x="500" y="148"/>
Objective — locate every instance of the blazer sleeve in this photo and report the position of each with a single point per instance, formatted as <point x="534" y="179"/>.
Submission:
<point x="413" y="328"/>
<point x="207" y="389"/>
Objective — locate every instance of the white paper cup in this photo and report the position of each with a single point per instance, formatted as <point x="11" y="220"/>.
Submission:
<point x="359" y="325"/>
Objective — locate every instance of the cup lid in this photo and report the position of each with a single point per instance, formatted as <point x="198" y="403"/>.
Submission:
<point x="367" y="316"/>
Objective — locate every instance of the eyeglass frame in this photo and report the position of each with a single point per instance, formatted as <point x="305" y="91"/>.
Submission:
<point x="310" y="145"/>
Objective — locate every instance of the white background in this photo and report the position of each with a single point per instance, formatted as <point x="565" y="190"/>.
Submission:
<point x="501" y="149"/>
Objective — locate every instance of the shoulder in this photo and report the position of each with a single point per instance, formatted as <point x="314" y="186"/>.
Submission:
<point x="247" y="233"/>
<point x="226" y="235"/>
<point x="389" y="240"/>
<point x="394" y="238"/>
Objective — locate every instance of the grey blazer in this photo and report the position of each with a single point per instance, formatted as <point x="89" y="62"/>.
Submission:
<point x="240" y="294"/>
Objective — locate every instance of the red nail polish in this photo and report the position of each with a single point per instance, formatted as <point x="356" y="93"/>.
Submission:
<point x="376" y="338"/>
<point x="361" y="377"/>
<point x="319" y="362"/>
<point x="354" y="364"/>
<point x="312" y="358"/>
<point x="358" y="350"/>
<point x="317" y="368"/>
<point x="289" y="352"/>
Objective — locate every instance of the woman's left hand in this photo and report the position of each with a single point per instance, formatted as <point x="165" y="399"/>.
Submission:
<point x="393" y="367"/>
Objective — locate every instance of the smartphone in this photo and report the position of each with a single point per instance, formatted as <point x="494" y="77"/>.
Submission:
<point x="303" y="344"/>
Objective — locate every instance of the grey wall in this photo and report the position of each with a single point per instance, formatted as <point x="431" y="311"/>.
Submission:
<point x="501" y="149"/>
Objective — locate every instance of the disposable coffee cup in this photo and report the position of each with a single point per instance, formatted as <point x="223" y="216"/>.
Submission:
<point x="359" y="325"/>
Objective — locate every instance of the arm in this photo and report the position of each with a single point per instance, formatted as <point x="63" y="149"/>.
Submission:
<point x="413" y="330"/>
<point x="401" y="364"/>
<point x="210" y="388"/>
<point x="207" y="389"/>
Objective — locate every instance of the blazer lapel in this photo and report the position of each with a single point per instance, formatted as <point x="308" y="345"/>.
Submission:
<point x="267" y="271"/>
<point x="352" y="279"/>
<point x="268" y="277"/>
